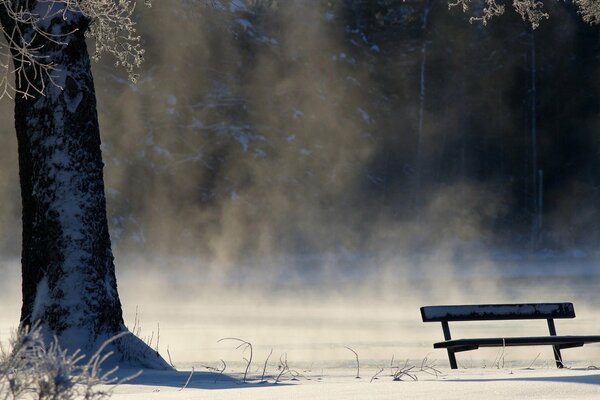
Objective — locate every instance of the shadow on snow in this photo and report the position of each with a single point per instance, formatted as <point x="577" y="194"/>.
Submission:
<point x="588" y="379"/>
<point x="198" y="380"/>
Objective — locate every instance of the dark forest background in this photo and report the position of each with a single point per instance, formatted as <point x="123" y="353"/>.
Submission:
<point x="310" y="127"/>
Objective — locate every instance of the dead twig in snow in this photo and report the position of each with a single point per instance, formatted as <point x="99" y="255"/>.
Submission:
<point x="157" y="335"/>
<point x="245" y="345"/>
<point x="188" y="379"/>
<point x="376" y="373"/>
<point x="283" y="367"/>
<point x="500" y="357"/>
<point x="429" y="368"/>
<point x="533" y="362"/>
<point x="357" y="362"/>
<point x="214" y="369"/>
<point x="169" y="354"/>
<point x="411" y="371"/>
<point x="262" y="379"/>
<point x="404" y="371"/>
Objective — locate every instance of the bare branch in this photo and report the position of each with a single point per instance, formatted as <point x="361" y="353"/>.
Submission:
<point x="244" y="345"/>
<point x="31" y="29"/>
<point x="357" y="362"/>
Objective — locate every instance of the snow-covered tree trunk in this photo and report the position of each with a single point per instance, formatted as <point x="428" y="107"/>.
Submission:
<point x="68" y="274"/>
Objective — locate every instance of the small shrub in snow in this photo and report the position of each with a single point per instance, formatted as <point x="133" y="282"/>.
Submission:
<point x="31" y="369"/>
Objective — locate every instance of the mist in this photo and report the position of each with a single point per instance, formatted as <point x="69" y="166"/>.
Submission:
<point x="306" y="174"/>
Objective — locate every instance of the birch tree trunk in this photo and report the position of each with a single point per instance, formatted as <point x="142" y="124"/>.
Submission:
<point x="68" y="273"/>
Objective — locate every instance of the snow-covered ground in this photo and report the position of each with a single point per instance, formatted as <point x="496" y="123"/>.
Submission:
<point x="475" y="383"/>
<point x="308" y="320"/>
<point x="309" y="323"/>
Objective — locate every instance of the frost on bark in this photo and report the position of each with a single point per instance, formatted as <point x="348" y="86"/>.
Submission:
<point x="68" y="273"/>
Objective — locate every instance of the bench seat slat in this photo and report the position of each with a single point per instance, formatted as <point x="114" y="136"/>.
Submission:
<point x="568" y="341"/>
<point x="493" y="312"/>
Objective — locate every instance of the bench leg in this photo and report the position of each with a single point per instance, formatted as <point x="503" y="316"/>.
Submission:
<point x="556" y="349"/>
<point x="452" y="359"/>
<point x="557" y="357"/>
<point x="451" y="356"/>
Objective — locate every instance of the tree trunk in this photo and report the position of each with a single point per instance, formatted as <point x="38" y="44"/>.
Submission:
<point x="68" y="274"/>
<point x="536" y="223"/>
<point x="422" y="98"/>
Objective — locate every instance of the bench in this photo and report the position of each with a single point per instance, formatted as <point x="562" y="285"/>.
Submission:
<point x="496" y="312"/>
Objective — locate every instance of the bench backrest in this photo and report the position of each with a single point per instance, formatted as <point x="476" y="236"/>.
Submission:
<point x="493" y="312"/>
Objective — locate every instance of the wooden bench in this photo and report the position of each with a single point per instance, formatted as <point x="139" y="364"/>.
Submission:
<point x="495" y="312"/>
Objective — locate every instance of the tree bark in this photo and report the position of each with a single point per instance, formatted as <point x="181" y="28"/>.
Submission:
<point x="68" y="274"/>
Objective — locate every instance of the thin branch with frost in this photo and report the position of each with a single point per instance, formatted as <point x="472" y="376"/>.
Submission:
<point x="31" y="369"/>
<point x="357" y="362"/>
<point x="529" y="10"/>
<point x="429" y="368"/>
<point x="283" y="367"/>
<point x="589" y="10"/>
<point x="188" y="380"/>
<point x="215" y="369"/>
<point x="262" y="379"/>
<point x="411" y="371"/>
<point x="533" y="362"/>
<point x="499" y="359"/>
<point x="169" y="354"/>
<point x="381" y="369"/>
<point x="157" y="336"/>
<point x="29" y="29"/>
<point x="405" y="371"/>
<point x="244" y="345"/>
<point x="222" y="370"/>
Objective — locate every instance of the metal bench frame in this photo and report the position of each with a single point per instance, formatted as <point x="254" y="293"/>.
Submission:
<point x="495" y="312"/>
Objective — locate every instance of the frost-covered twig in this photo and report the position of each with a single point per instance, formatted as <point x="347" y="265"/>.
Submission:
<point x="428" y="368"/>
<point x="262" y="379"/>
<point x="188" y="379"/>
<point x="404" y="371"/>
<point x="411" y="371"/>
<point x="376" y="374"/>
<point x="32" y="369"/>
<point x="530" y="10"/>
<point x="283" y="367"/>
<point x="245" y="346"/>
<point x="30" y="27"/>
<point x="157" y="335"/>
<point x="214" y="369"/>
<point x="533" y="362"/>
<point x="169" y="354"/>
<point x="499" y="360"/>
<point x="357" y="362"/>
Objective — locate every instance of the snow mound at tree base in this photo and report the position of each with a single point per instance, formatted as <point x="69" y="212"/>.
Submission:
<point x="129" y="350"/>
<point x="122" y="349"/>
